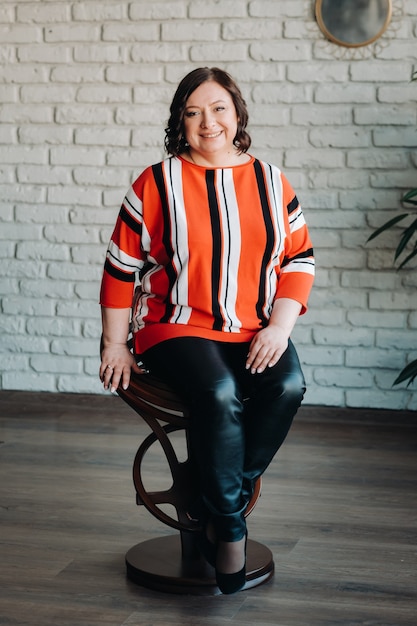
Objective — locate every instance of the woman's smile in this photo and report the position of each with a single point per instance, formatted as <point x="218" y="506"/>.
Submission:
<point x="212" y="135"/>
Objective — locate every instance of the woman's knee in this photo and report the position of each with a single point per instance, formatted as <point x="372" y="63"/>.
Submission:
<point x="217" y="414"/>
<point x="293" y="386"/>
<point x="289" y="374"/>
<point x="220" y="398"/>
<point x="283" y="385"/>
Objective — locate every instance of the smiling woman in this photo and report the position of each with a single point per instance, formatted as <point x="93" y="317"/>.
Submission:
<point x="217" y="244"/>
<point x="353" y="23"/>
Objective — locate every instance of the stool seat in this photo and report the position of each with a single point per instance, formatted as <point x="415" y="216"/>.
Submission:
<point x="173" y="563"/>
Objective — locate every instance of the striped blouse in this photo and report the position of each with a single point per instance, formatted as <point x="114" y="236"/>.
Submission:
<point x="205" y="252"/>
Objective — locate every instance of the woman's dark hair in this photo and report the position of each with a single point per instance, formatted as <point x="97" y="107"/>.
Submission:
<point x="175" y="142"/>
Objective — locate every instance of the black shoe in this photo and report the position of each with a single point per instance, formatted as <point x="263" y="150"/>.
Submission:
<point x="231" y="583"/>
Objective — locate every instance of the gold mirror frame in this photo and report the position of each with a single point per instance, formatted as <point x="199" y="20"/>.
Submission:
<point x="337" y="18"/>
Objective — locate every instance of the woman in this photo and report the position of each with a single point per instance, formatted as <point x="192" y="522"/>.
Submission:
<point x="218" y="245"/>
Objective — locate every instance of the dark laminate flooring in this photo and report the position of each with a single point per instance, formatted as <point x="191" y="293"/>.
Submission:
<point x="338" y="510"/>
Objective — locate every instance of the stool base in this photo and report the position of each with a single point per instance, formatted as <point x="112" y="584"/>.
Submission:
<point x="158" y="564"/>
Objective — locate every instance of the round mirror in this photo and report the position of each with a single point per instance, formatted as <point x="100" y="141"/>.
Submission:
<point x="353" y="23"/>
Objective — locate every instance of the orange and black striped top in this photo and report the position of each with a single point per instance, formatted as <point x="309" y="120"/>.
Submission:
<point x="205" y="252"/>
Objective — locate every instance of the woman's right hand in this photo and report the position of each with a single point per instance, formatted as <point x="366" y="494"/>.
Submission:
<point x="117" y="362"/>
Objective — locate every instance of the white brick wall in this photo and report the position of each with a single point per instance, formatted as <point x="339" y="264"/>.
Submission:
<point x="84" y="92"/>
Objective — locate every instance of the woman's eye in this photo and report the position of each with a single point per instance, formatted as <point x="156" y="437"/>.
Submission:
<point x="220" y="108"/>
<point x="191" y="113"/>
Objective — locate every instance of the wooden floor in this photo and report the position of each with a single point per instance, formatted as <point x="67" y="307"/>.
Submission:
<point x="338" y="510"/>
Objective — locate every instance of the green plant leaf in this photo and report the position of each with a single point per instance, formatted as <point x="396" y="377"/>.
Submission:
<point x="408" y="257"/>
<point x="387" y="225"/>
<point x="410" y="194"/>
<point x="408" y="373"/>
<point x="405" y="238"/>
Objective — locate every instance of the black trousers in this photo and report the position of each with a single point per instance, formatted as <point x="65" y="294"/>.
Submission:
<point x="239" y="420"/>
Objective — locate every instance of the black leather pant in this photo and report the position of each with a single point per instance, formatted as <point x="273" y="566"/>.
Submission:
<point x="238" y="420"/>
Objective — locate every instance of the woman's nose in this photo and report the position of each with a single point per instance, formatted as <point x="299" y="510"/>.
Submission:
<point x="206" y="120"/>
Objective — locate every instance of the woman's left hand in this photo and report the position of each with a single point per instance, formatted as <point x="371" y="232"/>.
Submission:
<point x="270" y="343"/>
<point x="266" y="348"/>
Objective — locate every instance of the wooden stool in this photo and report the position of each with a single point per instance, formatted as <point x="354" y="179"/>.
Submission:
<point x="173" y="563"/>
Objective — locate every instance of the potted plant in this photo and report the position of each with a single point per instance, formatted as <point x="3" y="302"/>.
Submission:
<point x="407" y="237"/>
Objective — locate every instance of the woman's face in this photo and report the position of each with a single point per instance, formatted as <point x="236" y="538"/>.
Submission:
<point x="210" y="120"/>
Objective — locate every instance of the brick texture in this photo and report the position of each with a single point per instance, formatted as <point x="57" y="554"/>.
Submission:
<point x="84" y="95"/>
